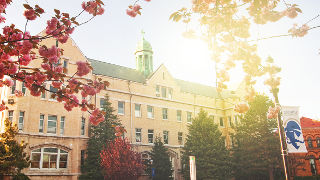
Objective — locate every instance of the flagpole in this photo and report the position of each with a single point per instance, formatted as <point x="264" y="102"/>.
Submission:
<point x="284" y="152"/>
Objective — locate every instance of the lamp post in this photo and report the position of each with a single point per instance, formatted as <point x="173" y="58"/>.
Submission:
<point x="284" y="152"/>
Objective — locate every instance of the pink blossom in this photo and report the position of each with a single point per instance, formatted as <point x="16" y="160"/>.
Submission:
<point x="40" y="78"/>
<point x="83" y="68"/>
<point x="30" y="14"/>
<point x="58" y="69"/>
<point x="100" y="11"/>
<point x="25" y="60"/>
<point x="2" y="107"/>
<point x="148" y="0"/>
<point x="63" y="39"/>
<point x="8" y="82"/>
<point x="136" y="7"/>
<point x="45" y="66"/>
<point x="29" y="79"/>
<point x="73" y="84"/>
<point x="12" y="69"/>
<point x="2" y="19"/>
<point x="56" y="84"/>
<point x="26" y="47"/>
<point x="131" y="13"/>
<point x="89" y="90"/>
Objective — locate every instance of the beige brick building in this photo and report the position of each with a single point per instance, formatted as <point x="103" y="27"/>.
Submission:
<point x="149" y="103"/>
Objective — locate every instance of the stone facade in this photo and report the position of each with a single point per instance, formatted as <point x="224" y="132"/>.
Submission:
<point x="148" y="103"/>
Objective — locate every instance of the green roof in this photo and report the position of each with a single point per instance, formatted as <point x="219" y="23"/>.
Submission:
<point x="116" y="71"/>
<point x="200" y="89"/>
<point x="125" y="73"/>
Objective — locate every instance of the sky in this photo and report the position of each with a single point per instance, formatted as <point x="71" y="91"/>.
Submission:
<point x="113" y="36"/>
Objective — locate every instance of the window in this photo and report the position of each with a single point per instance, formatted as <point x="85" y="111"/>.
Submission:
<point x="165" y="113"/>
<point x="189" y="115"/>
<point x="138" y="134"/>
<point x="179" y="116"/>
<point x="21" y="121"/>
<point x="65" y="66"/>
<point x="157" y="90"/>
<point x="164" y="92"/>
<point x="102" y="103"/>
<point x="41" y="123"/>
<point x="166" y="137"/>
<point x="212" y="118"/>
<point x="310" y="143"/>
<point x="313" y="167"/>
<point x="62" y="125"/>
<point x="137" y="110"/>
<point x="150" y="135"/>
<point x="49" y="158"/>
<point x="180" y="134"/>
<point x="10" y="115"/>
<point x="121" y="107"/>
<point x="13" y="87"/>
<point x="52" y="124"/>
<point x="170" y="93"/>
<point x="150" y="112"/>
<point x="23" y="89"/>
<point x="43" y="94"/>
<point x="318" y="141"/>
<point x="230" y="122"/>
<point x="53" y="91"/>
<point x="82" y="153"/>
<point x="83" y="122"/>
<point x="221" y="122"/>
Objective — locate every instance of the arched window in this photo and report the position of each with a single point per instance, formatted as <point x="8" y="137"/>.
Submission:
<point x="49" y="158"/>
<point x="318" y="141"/>
<point x="310" y="143"/>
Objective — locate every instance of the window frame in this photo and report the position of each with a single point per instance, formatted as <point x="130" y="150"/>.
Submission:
<point x="152" y="112"/>
<point x="59" y="153"/>
<point x="150" y="133"/>
<point x="179" y="115"/>
<point x="180" y="137"/>
<point x="189" y="117"/>
<point x="137" y="113"/>
<point x="41" y="123"/>
<point x="123" y="107"/>
<point x="23" y="88"/>
<point x="10" y="115"/>
<point x="221" y="122"/>
<point x="21" y="124"/>
<point x="138" y="132"/>
<point x="52" y="120"/>
<point x="165" y="137"/>
<point x="165" y="114"/>
<point x="83" y="126"/>
<point x="13" y="88"/>
<point x="310" y="144"/>
<point x="62" y="124"/>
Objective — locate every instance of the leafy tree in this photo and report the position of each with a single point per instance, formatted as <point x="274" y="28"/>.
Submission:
<point x="99" y="135"/>
<point x="205" y="142"/>
<point x="12" y="156"/>
<point x="159" y="161"/>
<point x="120" y="161"/>
<point x="257" y="154"/>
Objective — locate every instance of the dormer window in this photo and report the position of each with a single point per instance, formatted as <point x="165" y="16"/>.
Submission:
<point x="163" y="92"/>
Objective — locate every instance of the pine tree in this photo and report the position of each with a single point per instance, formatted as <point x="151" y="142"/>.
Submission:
<point x="159" y="161"/>
<point x="256" y="154"/>
<point x="12" y="156"/>
<point x="205" y="142"/>
<point x="99" y="135"/>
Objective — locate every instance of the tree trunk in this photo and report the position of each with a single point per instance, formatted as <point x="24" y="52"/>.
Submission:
<point x="271" y="174"/>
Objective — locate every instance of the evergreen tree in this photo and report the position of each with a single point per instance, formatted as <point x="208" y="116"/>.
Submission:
<point x="99" y="135"/>
<point x="12" y="156"/>
<point x="159" y="161"/>
<point x="257" y="154"/>
<point x="205" y="142"/>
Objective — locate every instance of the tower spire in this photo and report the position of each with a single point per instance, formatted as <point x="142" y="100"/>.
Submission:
<point x="144" y="56"/>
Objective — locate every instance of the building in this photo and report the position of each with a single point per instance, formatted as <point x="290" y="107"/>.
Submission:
<point x="308" y="164"/>
<point x="148" y="102"/>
